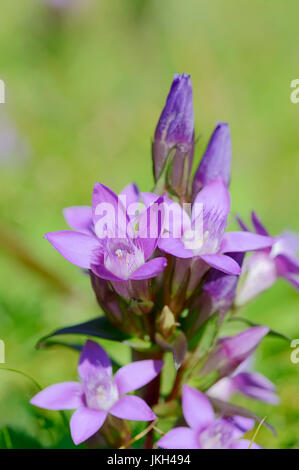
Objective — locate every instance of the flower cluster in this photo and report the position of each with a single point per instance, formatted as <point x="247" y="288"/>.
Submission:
<point x="165" y="270"/>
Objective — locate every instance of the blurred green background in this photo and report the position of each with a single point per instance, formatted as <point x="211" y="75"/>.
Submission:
<point x="84" y="89"/>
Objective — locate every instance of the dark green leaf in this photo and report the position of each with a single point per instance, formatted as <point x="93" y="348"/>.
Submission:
<point x="99" y="328"/>
<point x="250" y="323"/>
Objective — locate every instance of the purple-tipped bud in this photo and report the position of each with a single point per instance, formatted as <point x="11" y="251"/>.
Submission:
<point x="219" y="290"/>
<point x="230" y="352"/>
<point x="175" y="129"/>
<point x="216" y="160"/>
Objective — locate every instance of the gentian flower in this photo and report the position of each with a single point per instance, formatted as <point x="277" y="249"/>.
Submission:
<point x="216" y="160"/>
<point x="251" y="384"/>
<point x="230" y="352"/>
<point x="204" y="431"/>
<point x="99" y="393"/>
<point x="211" y="242"/>
<point x="262" y="269"/>
<point x="106" y="244"/>
<point x="175" y="129"/>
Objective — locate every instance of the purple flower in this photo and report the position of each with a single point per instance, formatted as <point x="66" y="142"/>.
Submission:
<point x="263" y="268"/>
<point x="104" y="242"/>
<point x="230" y="352"/>
<point x="216" y="160"/>
<point x="204" y="431"/>
<point x="251" y="384"/>
<point x="203" y="235"/>
<point x="99" y="393"/>
<point x="175" y="129"/>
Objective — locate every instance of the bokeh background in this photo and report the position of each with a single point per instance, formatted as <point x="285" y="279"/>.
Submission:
<point x="85" y="83"/>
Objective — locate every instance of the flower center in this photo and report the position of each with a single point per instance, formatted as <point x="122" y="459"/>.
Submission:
<point x="217" y="436"/>
<point x="100" y="393"/>
<point x="122" y="258"/>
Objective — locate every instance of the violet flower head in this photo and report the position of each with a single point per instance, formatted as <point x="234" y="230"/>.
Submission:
<point x="216" y="160"/>
<point x="205" y="431"/>
<point x="99" y="393"/>
<point x="104" y="242"/>
<point x="176" y="129"/>
<point x="262" y="269"/>
<point x="204" y="234"/>
<point x="230" y="352"/>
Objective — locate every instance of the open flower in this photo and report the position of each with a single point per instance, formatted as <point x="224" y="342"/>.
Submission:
<point x="204" y="235"/>
<point x="105" y="242"/>
<point x="99" y="393"/>
<point x="262" y="269"/>
<point x="205" y="431"/>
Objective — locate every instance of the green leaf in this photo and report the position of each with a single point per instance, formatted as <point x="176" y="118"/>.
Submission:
<point x="250" y="323"/>
<point x="99" y="328"/>
<point x="177" y="344"/>
<point x="205" y="336"/>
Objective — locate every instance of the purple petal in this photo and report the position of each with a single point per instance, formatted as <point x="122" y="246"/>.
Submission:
<point x="150" y="227"/>
<point x="244" y="444"/>
<point x="292" y="279"/>
<point x="179" y="438"/>
<point x="242" y="225"/>
<point x="255" y="386"/>
<point x="175" y="247"/>
<point x="215" y="199"/>
<point x="62" y="396"/>
<point x="223" y="389"/>
<point x="85" y="422"/>
<point x="222" y="262"/>
<point x="79" y="218"/>
<point x="241" y="425"/>
<point x="286" y="264"/>
<point x="150" y="269"/>
<point x="259" y="273"/>
<point x="244" y="241"/>
<point x="258" y="226"/>
<point x="198" y="411"/>
<point x="77" y="248"/>
<point x="231" y="351"/>
<point x="245" y="342"/>
<point x="132" y="194"/>
<point x="136" y="375"/>
<point x="107" y="206"/>
<point x="134" y="408"/>
<point x="102" y="272"/>
<point x="287" y="243"/>
<point x="93" y="361"/>
<point x="216" y="160"/>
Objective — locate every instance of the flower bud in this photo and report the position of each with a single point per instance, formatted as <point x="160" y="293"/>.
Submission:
<point x="230" y="352"/>
<point x="216" y="160"/>
<point x="175" y="132"/>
